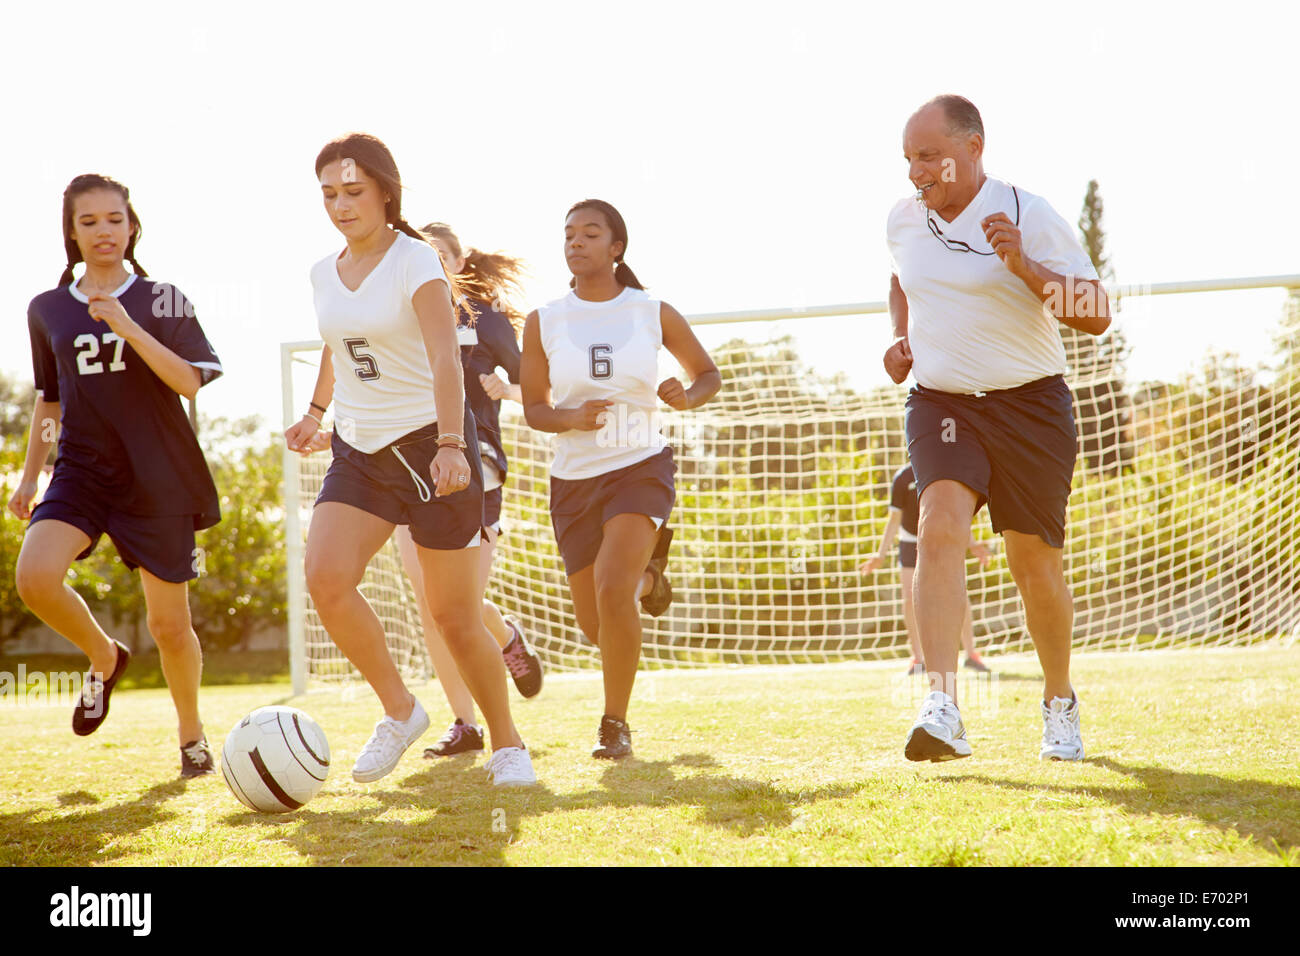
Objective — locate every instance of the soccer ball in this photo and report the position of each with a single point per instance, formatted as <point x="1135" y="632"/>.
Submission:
<point x="275" y="759"/>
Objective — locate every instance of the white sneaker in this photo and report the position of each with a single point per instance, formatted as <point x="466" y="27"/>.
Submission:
<point x="387" y="744"/>
<point x="938" y="733"/>
<point x="511" y="767"/>
<point x="1061" y="737"/>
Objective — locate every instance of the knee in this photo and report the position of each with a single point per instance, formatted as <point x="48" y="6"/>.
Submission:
<point x="34" y="581"/>
<point x="615" y="593"/>
<point x="459" y="627"/>
<point x="170" y="630"/>
<point x="327" y="582"/>
<point x="1040" y="580"/>
<point x="943" y="533"/>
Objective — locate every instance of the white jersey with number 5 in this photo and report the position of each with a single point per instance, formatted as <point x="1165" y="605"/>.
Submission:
<point x="383" y="386"/>
<point x="605" y="350"/>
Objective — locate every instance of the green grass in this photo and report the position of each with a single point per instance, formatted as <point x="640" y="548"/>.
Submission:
<point x="1193" y="760"/>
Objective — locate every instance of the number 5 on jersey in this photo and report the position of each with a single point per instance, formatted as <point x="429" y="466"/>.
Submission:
<point x="602" y="366"/>
<point x="366" y="368"/>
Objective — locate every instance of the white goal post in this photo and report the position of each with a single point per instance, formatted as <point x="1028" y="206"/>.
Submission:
<point x="1183" y="529"/>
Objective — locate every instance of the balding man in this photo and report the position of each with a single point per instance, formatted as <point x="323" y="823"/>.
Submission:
<point x="984" y="274"/>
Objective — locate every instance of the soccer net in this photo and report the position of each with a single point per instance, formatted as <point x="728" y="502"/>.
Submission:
<point x="1183" y="526"/>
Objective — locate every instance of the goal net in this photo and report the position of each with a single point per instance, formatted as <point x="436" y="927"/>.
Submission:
<point x="1183" y="525"/>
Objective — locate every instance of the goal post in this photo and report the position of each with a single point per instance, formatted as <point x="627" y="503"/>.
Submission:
<point x="1183" y="526"/>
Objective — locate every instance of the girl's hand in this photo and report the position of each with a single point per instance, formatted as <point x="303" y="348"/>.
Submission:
<point x="104" y="308"/>
<point x="21" y="501"/>
<point x="871" y="564"/>
<point x="673" y="394"/>
<point x="589" y="416"/>
<point x="298" y="437"/>
<point x="449" y="471"/>
<point x="493" y="386"/>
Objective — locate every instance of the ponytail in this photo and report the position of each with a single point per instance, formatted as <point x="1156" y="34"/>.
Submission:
<point x="626" y="276"/>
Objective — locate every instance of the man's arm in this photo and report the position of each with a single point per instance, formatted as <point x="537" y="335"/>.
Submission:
<point x="898" y="358"/>
<point x="1079" y="303"/>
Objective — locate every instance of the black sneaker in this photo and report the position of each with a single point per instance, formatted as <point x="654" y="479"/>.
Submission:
<point x="615" y="739"/>
<point x="460" y="738"/>
<point x="196" y="759"/>
<point x="660" y="595"/>
<point x="91" y="710"/>
<point x="522" y="662"/>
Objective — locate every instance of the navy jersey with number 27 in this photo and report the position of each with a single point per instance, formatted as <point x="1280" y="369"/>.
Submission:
<point x="124" y="433"/>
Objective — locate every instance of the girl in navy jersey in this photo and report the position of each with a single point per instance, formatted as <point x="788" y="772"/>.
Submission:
<point x="590" y="362"/>
<point x="110" y="354"/>
<point x="405" y="453"/>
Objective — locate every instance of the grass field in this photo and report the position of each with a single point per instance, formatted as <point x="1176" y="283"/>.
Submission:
<point x="1193" y="760"/>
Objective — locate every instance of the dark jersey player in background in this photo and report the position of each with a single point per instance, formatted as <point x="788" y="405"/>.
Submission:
<point x="904" y="517"/>
<point x="110" y="355"/>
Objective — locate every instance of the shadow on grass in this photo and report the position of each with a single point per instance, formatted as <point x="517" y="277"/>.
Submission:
<point x="474" y="823"/>
<point x="1269" y="813"/>
<point x="82" y="839"/>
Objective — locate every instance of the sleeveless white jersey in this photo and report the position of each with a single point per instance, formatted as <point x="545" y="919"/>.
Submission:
<point x="606" y="350"/>
<point x="383" y="386"/>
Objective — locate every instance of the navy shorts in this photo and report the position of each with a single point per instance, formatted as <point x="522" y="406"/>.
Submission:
<point x="580" y="507"/>
<point x="1014" y="448"/>
<point x="161" y="544"/>
<point x="394" y="484"/>
<point x="907" y="554"/>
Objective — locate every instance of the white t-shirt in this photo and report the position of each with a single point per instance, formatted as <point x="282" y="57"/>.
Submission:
<point x="605" y="350"/>
<point x="972" y="325"/>
<point x="383" y="386"/>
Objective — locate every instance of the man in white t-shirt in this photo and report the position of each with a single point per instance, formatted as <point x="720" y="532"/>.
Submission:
<point x="984" y="275"/>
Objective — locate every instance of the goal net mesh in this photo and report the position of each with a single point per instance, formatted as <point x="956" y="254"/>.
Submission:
<point x="1183" y="526"/>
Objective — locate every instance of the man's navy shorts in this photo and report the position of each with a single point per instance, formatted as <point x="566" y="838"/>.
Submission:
<point x="1014" y="448"/>
<point x="581" y="506"/>
<point x="161" y="544"/>
<point x="394" y="484"/>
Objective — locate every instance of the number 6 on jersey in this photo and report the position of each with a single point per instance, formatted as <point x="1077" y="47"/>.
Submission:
<point x="602" y="366"/>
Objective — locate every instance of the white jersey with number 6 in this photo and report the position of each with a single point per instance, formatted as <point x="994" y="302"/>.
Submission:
<point x="604" y="350"/>
<point x="383" y="386"/>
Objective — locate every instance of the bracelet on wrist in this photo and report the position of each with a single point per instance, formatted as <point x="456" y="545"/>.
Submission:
<point x="318" y="408"/>
<point x="453" y="440"/>
<point x="319" y="423"/>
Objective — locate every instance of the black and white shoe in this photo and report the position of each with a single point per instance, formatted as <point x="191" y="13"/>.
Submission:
<point x="660" y="595"/>
<point x="615" y="739"/>
<point x="522" y="662"/>
<point x="92" y="708"/>
<point x="196" y="759"/>
<point x="460" y="738"/>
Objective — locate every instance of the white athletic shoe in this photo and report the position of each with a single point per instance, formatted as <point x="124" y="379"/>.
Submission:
<point x="938" y="733"/>
<point x="511" y="767"/>
<point x="387" y="744"/>
<point x="1061" y="737"/>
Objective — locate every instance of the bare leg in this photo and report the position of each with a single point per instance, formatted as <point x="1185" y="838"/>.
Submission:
<point x="444" y="665"/>
<point x="168" y="616"/>
<point x="340" y="542"/>
<point x="909" y="615"/>
<point x="940" y="583"/>
<point x="629" y="540"/>
<point x="1049" y="607"/>
<point x="454" y="585"/>
<point x="48" y="550"/>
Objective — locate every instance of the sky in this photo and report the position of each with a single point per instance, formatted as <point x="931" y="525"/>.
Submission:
<point x="754" y="149"/>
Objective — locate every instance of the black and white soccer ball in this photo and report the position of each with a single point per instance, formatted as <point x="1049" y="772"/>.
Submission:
<point x="275" y="759"/>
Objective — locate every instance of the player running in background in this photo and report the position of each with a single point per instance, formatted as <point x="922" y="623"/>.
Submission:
<point x="590" y="363"/>
<point x="405" y="453"/>
<point x="488" y="340"/>
<point x="111" y="353"/>
<point x="904" y="510"/>
<point x="983" y="274"/>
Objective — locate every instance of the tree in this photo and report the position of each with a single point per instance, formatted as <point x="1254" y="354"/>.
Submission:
<point x="1103" y="411"/>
